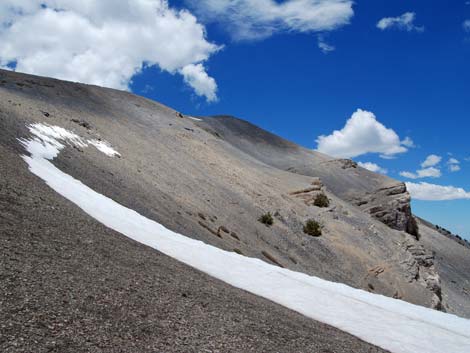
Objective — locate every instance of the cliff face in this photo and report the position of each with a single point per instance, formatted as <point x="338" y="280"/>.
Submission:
<point x="391" y="206"/>
<point x="211" y="178"/>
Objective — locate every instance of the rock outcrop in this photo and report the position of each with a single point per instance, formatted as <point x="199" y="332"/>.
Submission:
<point x="391" y="206"/>
<point x="419" y="267"/>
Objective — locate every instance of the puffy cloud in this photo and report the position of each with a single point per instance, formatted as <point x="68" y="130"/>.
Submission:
<point x="408" y="142"/>
<point x="104" y="42"/>
<point x="197" y="77"/>
<point x="433" y="192"/>
<point x="362" y="134"/>
<point x="431" y="161"/>
<point x="324" y="46"/>
<point x="404" y="22"/>
<point x="373" y="167"/>
<point x="258" y="19"/>
<point x="466" y="25"/>
<point x="454" y="164"/>
<point x="409" y="175"/>
<point x="423" y="173"/>
<point x="428" y="170"/>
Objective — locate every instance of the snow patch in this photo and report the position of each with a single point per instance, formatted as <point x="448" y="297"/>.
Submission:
<point x="394" y="325"/>
<point x="104" y="147"/>
<point x="51" y="135"/>
<point x="193" y="118"/>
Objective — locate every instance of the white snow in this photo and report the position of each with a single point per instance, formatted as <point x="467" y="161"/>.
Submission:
<point x="193" y="118"/>
<point x="394" y="325"/>
<point x="104" y="147"/>
<point x="52" y="135"/>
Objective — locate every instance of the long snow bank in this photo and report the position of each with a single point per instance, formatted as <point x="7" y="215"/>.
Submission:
<point x="391" y="324"/>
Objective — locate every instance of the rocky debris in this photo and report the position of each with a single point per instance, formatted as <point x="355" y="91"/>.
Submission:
<point x="82" y="123"/>
<point x="179" y="115"/>
<point x="271" y="258"/>
<point x="455" y="237"/>
<point x="212" y="231"/>
<point x="222" y="229"/>
<point x="391" y="206"/>
<point x="344" y="163"/>
<point x="376" y="271"/>
<point x="38" y="83"/>
<point x="309" y="194"/>
<point x="234" y="236"/>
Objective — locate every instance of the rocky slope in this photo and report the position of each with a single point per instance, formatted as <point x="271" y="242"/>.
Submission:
<point x="209" y="178"/>
<point x="382" y="197"/>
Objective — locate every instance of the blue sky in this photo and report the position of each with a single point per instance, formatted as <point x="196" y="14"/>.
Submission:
<point x="261" y="61"/>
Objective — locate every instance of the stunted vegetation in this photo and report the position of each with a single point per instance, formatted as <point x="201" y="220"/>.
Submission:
<point x="312" y="228"/>
<point x="321" y="200"/>
<point x="267" y="219"/>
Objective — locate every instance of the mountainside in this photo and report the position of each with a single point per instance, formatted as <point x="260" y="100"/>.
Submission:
<point x="210" y="178"/>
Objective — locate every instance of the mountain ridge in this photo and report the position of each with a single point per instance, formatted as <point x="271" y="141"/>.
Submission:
<point x="212" y="180"/>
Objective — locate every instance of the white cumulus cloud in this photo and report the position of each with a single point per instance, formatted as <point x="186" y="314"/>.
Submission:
<point x="431" y="161"/>
<point x="362" y="134"/>
<point x="430" y="172"/>
<point x="197" y="77"/>
<point x="408" y="142"/>
<point x="404" y="22"/>
<point x="428" y="169"/>
<point x="373" y="167"/>
<point x="104" y="42"/>
<point x="258" y="19"/>
<point x="433" y="192"/>
<point x="454" y="164"/>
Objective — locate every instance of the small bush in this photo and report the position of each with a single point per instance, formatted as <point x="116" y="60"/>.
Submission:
<point x="312" y="228"/>
<point x="238" y="251"/>
<point x="267" y="219"/>
<point x="321" y="200"/>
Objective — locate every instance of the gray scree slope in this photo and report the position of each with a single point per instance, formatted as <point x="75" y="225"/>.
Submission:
<point x="212" y="179"/>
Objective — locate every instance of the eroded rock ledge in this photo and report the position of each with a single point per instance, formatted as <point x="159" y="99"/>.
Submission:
<point x="419" y="267"/>
<point x="391" y="206"/>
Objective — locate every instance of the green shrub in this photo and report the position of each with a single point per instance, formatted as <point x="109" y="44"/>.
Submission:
<point x="312" y="228"/>
<point x="321" y="200"/>
<point x="267" y="219"/>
